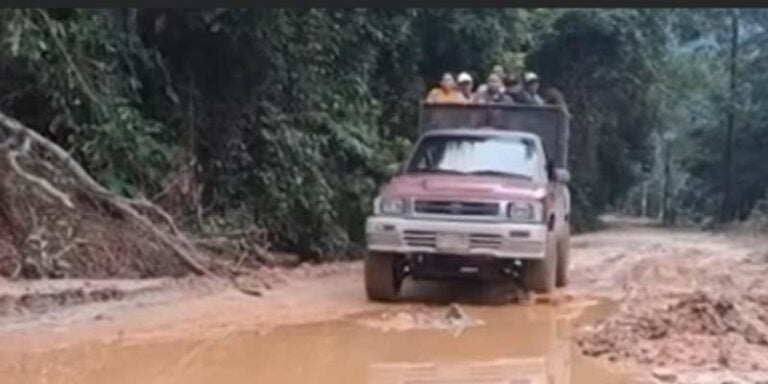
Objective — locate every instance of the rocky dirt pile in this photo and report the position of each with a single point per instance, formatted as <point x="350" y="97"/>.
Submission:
<point x="687" y="302"/>
<point x="698" y="330"/>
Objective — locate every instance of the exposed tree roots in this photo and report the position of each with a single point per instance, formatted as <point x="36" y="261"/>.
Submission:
<point x="32" y="164"/>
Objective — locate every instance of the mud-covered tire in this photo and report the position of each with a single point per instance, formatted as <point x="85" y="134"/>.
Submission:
<point x="563" y="260"/>
<point x="540" y="275"/>
<point x="382" y="282"/>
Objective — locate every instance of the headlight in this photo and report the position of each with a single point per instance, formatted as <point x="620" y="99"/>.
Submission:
<point x="390" y="206"/>
<point x="525" y="211"/>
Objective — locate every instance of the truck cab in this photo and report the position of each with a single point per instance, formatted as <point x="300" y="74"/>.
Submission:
<point x="483" y="195"/>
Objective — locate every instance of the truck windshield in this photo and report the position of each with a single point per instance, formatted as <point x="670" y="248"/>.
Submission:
<point x="477" y="155"/>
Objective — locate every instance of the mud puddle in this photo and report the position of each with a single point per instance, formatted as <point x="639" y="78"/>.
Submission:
<point x="507" y="344"/>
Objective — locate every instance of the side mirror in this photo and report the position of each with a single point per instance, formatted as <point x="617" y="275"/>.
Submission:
<point x="394" y="169"/>
<point x="562" y="175"/>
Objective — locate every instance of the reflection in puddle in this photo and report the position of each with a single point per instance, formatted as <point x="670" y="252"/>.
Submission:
<point x="515" y="344"/>
<point x="507" y="371"/>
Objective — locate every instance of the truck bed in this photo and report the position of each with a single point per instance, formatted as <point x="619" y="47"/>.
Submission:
<point x="551" y="123"/>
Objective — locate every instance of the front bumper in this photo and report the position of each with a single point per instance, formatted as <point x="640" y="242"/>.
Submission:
<point x="423" y="236"/>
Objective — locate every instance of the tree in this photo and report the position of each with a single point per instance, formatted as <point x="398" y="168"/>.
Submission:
<point x="603" y="62"/>
<point x="726" y="212"/>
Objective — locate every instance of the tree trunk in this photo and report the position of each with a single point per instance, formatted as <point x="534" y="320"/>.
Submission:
<point x="726" y="210"/>
<point x="644" y="201"/>
<point x="665" y="215"/>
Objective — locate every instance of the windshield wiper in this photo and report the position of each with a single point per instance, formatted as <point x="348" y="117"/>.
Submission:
<point x="445" y="171"/>
<point x="490" y="172"/>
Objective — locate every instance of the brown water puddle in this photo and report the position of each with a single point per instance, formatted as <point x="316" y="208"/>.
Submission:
<point x="516" y="344"/>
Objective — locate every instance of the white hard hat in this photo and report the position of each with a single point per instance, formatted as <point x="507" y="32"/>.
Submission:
<point x="530" y="76"/>
<point x="464" y="77"/>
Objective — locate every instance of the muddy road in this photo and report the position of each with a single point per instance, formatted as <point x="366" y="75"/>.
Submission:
<point x="644" y="305"/>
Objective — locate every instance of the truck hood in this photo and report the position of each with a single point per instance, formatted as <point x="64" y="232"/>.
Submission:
<point x="462" y="186"/>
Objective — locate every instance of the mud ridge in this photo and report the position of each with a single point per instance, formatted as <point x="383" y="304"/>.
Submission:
<point x="701" y="330"/>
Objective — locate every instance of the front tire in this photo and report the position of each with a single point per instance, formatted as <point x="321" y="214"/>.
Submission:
<point x="382" y="280"/>
<point x="540" y="275"/>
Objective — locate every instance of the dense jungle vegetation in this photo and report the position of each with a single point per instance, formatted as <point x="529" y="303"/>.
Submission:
<point x="287" y="119"/>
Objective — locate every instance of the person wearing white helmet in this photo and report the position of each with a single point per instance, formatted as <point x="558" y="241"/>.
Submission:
<point x="531" y="89"/>
<point x="465" y="84"/>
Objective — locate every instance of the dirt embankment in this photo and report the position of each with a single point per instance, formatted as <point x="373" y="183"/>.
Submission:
<point x="58" y="221"/>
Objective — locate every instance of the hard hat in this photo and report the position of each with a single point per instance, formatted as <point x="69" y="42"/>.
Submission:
<point x="530" y="76"/>
<point x="464" y="77"/>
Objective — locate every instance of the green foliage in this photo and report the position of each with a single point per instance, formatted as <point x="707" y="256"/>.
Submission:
<point x="694" y="114"/>
<point x="605" y="70"/>
<point x="89" y="76"/>
<point x="291" y="116"/>
<point x="308" y="107"/>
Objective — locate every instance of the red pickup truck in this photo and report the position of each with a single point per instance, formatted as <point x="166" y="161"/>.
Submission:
<point x="483" y="195"/>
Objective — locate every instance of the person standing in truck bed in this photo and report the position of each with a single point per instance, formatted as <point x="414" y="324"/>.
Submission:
<point x="493" y="92"/>
<point x="553" y="96"/>
<point x="513" y="86"/>
<point x="447" y="92"/>
<point x="497" y="70"/>
<point x="530" y="93"/>
<point x="466" y="85"/>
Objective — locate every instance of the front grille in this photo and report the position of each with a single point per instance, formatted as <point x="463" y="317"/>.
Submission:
<point x="489" y="241"/>
<point x="464" y="208"/>
<point x="420" y="238"/>
<point x="484" y="240"/>
<point x="429" y="239"/>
